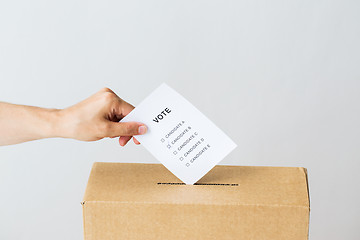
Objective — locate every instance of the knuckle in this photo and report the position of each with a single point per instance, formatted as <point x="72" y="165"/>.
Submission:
<point x="129" y="128"/>
<point x="104" y="129"/>
<point x="108" y="96"/>
<point x="106" y="89"/>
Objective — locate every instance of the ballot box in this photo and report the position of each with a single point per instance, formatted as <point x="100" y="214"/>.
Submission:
<point x="146" y="201"/>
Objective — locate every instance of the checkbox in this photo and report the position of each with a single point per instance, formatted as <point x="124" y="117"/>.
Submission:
<point x="162" y="140"/>
<point x="168" y="146"/>
<point x="187" y="164"/>
<point x="175" y="152"/>
<point x="181" y="158"/>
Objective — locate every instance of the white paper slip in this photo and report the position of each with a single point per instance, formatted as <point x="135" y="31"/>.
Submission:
<point x="183" y="139"/>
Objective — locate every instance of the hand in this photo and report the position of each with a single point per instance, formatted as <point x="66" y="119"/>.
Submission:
<point x="98" y="117"/>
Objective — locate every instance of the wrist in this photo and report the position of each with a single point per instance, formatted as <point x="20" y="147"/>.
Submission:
<point x="57" y="124"/>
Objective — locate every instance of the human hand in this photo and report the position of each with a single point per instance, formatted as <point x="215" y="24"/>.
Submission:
<point x="98" y="117"/>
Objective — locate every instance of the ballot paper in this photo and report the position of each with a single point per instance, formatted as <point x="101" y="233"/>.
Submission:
<point x="183" y="139"/>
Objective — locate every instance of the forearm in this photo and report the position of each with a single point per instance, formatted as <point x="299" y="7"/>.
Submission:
<point x="19" y="123"/>
<point x="92" y="119"/>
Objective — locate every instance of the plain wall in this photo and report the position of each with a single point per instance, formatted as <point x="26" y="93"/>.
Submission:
<point x="281" y="78"/>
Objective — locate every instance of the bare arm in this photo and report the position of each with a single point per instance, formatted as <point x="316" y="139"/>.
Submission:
<point x="94" y="118"/>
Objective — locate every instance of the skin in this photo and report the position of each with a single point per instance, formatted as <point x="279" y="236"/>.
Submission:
<point x="92" y="119"/>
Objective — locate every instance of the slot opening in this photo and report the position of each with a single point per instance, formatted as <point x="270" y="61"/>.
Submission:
<point x="206" y="184"/>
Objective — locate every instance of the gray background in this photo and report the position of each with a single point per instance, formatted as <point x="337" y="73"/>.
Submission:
<point x="281" y="78"/>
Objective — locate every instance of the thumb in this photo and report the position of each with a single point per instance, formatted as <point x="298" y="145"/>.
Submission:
<point x="127" y="129"/>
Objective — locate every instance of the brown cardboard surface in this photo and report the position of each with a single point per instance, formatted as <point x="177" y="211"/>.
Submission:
<point x="146" y="201"/>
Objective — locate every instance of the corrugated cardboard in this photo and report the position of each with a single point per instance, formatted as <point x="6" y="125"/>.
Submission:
<point x="146" y="201"/>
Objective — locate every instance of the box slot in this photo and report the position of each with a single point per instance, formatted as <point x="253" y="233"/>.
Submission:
<point x="206" y="184"/>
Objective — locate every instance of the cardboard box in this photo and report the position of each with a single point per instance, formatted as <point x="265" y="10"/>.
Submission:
<point x="146" y="201"/>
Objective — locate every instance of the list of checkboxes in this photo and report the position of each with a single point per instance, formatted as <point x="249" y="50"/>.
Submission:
<point x="169" y="146"/>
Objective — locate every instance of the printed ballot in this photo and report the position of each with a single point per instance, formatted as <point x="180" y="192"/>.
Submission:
<point x="183" y="139"/>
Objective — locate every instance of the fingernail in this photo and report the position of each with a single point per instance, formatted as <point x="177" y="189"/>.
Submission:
<point x="142" y="130"/>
